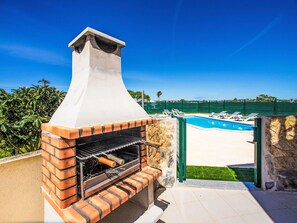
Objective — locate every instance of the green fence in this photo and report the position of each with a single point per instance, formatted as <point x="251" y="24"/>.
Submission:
<point x="245" y="107"/>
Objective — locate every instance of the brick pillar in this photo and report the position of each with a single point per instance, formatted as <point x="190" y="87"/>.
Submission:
<point x="143" y="148"/>
<point x="59" y="169"/>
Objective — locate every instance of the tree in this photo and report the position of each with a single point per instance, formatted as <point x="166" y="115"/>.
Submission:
<point x="159" y="93"/>
<point x="21" y="113"/>
<point x="265" y="98"/>
<point x="137" y="95"/>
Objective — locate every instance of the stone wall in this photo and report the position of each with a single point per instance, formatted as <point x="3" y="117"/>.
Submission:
<point x="164" y="133"/>
<point x="279" y="153"/>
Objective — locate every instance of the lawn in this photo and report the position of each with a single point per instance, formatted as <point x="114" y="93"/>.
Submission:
<point x="220" y="173"/>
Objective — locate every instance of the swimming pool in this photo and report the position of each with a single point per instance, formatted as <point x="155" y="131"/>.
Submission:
<point x="204" y="122"/>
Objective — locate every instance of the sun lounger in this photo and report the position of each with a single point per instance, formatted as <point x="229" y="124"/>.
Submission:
<point x="233" y="115"/>
<point x="217" y="114"/>
<point x="245" y="118"/>
<point x="177" y="112"/>
<point x="167" y="112"/>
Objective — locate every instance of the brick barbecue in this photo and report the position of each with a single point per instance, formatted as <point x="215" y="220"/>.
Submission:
<point x="94" y="149"/>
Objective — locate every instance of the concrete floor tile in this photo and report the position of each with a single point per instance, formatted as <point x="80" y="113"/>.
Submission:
<point x="260" y="217"/>
<point x="283" y="216"/>
<point x="218" y="208"/>
<point x="183" y="195"/>
<point x="267" y="200"/>
<point x="205" y="194"/>
<point x="288" y="199"/>
<point x="171" y="215"/>
<point x="242" y="205"/>
<point x="235" y="219"/>
<point x="194" y="212"/>
<point x="167" y="196"/>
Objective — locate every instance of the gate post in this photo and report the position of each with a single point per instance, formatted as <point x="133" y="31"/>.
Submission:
<point x="258" y="152"/>
<point x="182" y="154"/>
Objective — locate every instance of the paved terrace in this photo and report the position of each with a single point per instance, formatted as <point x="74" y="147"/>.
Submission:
<point x="203" y="205"/>
<point x="214" y="147"/>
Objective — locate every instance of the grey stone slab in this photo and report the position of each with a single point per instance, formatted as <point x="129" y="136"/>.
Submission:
<point x="215" y="184"/>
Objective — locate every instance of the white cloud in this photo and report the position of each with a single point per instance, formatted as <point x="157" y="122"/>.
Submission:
<point x="35" y="54"/>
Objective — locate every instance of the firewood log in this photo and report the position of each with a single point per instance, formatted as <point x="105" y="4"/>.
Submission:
<point x="107" y="162"/>
<point x="116" y="159"/>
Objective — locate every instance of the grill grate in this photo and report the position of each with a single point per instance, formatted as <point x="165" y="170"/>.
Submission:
<point x="87" y="151"/>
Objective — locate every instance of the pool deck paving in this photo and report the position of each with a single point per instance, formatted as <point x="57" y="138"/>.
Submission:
<point x="214" y="147"/>
<point x="189" y="204"/>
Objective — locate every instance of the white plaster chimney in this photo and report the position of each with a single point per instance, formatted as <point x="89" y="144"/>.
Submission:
<point x="97" y="94"/>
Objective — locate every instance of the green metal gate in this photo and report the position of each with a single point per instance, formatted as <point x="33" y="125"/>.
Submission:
<point x="182" y="152"/>
<point x="258" y="152"/>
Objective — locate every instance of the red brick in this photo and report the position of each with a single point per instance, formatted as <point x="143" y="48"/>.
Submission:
<point x="97" y="129"/>
<point x="56" y="142"/>
<point x="144" y="122"/>
<point x="103" y="205"/>
<point x="153" y="171"/>
<point x="50" y="167"/>
<point x="144" y="181"/>
<point x="107" y="128"/>
<point x="88" y="210"/>
<point x="112" y="198"/>
<point x="65" y="153"/>
<point x="119" y="192"/>
<point x="143" y="165"/>
<point x="70" y="215"/>
<point x="63" y="164"/>
<point x="68" y="133"/>
<point x="48" y="148"/>
<point x="45" y="187"/>
<point x="63" y="203"/>
<point x="116" y="126"/>
<point x="45" y="154"/>
<point x="86" y="131"/>
<point x="143" y="153"/>
<point x="64" y="174"/>
<point x="50" y="185"/>
<point x="124" y="125"/>
<point x="149" y="121"/>
<point x="143" y="147"/>
<point x="63" y="184"/>
<point x="45" y="172"/>
<point x="147" y="176"/>
<point x="138" y="123"/>
<point x="142" y="134"/>
<point x="45" y="138"/>
<point x="63" y="194"/>
<point x="132" y="191"/>
<point x="131" y="124"/>
<point x="43" y="161"/>
<point x="133" y="183"/>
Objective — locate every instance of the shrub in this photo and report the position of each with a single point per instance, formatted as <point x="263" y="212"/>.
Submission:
<point x="21" y="113"/>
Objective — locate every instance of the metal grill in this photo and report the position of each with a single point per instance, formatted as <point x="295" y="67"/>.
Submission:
<point x="87" y="151"/>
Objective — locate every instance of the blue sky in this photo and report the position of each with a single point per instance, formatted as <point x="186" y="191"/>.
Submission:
<point x="214" y="49"/>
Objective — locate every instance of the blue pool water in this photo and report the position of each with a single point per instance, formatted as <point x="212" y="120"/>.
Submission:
<point x="219" y="124"/>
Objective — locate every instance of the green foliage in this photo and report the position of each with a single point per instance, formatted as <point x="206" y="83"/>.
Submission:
<point x="265" y="98"/>
<point x="21" y="113"/>
<point x="220" y="173"/>
<point x="138" y="94"/>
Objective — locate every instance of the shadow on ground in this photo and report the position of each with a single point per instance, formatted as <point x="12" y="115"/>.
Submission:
<point x="130" y="211"/>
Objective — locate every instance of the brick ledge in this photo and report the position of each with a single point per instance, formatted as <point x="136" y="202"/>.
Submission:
<point x="75" y="133"/>
<point x="101" y="204"/>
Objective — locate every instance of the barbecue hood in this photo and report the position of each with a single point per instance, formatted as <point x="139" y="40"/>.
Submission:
<point x="97" y="94"/>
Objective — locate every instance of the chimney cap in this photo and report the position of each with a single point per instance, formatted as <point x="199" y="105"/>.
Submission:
<point x="96" y="33"/>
